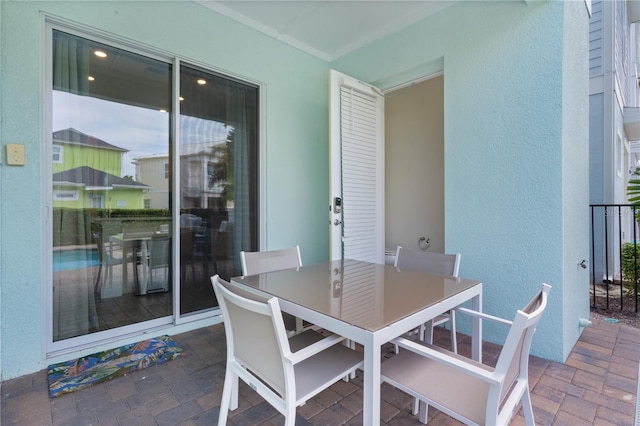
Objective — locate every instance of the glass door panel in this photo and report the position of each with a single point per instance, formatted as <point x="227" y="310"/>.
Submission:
<point x="113" y="223"/>
<point x="111" y="187"/>
<point x="218" y="153"/>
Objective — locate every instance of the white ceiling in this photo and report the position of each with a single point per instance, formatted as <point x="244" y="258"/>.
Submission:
<point x="327" y="29"/>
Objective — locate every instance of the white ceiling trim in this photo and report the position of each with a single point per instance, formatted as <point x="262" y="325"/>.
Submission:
<point x="394" y="26"/>
<point x="312" y="25"/>
<point x="258" y="26"/>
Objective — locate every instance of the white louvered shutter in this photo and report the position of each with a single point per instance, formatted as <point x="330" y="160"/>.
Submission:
<point x="362" y="171"/>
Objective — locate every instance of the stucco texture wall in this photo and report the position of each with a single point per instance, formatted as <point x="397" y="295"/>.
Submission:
<point x="295" y="144"/>
<point x="516" y="202"/>
<point x="510" y="202"/>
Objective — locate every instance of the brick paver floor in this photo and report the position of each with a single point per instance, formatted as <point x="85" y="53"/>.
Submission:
<point x="596" y="385"/>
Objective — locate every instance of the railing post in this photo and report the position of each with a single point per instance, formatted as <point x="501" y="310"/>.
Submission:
<point x="606" y="250"/>
<point x="635" y="258"/>
<point x="620" y="253"/>
<point x="604" y="247"/>
<point x="593" y="256"/>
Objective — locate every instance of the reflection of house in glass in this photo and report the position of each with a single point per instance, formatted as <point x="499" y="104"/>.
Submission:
<point x="86" y="173"/>
<point x="202" y="170"/>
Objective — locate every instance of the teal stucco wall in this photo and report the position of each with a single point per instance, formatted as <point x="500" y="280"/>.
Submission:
<point x="516" y="149"/>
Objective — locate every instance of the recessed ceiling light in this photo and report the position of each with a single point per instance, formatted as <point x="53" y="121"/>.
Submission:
<point x="100" y="54"/>
<point x="91" y="78"/>
<point x="201" y="81"/>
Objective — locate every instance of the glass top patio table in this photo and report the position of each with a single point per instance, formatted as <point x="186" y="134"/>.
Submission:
<point x="370" y="304"/>
<point x="365" y="295"/>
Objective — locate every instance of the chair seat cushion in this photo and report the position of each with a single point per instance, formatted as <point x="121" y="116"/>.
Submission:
<point x="304" y="339"/>
<point x="325" y="368"/>
<point x="431" y="380"/>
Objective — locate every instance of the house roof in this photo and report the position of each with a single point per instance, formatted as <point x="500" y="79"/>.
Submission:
<point x="187" y="149"/>
<point x="89" y="177"/>
<point x="72" y="136"/>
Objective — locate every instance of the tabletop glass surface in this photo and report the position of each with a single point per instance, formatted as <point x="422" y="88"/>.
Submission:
<point x="366" y="295"/>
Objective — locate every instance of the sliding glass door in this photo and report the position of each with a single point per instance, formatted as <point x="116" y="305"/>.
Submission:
<point x="218" y="181"/>
<point x="131" y="237"/>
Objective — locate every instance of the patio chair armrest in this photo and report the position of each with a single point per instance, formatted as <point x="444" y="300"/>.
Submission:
<point x="315" y="348"/>
<point x="482" y="315"/>
<point x="459" y="362"/>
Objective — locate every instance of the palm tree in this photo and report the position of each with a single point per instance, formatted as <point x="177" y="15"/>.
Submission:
<point x="633" y="188"/>
<point x="223" y="169"/>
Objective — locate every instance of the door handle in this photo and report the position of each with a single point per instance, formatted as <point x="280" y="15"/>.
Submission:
<point x="337" y="222"/>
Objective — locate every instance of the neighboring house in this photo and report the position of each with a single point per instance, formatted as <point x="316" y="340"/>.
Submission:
<point x="201" y="176"/>
<point x="86" y="173"/>
<point x="72" y="148"/>
<point x="153" y="170"/>
<point x="614" y="125"/>
<point x="87" y="187"/>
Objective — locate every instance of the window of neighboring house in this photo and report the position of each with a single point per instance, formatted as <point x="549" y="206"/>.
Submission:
<point x="132" y="92"/>
<point x="193" y="175"/>
<point x="57" y="154"/>
<point x="96" y="201"/>
<point x="619" y="150"/>
<point x="210" y="176"/>
<point x="65" y="195"/>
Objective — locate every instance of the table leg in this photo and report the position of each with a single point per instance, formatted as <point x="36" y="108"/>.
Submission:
<point x="476" y="329"/>
<point x="371" y="383"/>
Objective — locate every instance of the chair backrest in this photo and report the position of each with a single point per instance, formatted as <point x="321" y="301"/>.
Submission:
<point x="427" y="261"/>
<point x="513" y="361"/>
<point x="255" y="333"/>
<point x="258" y="262"/>
<point x="132" y="232"/>
<point x="188" y="220"/>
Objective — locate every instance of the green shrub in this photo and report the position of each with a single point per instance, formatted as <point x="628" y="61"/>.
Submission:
<point x="630" y="260"/>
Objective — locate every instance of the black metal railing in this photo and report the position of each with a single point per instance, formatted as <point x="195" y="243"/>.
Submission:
<point x="614" y="256"/>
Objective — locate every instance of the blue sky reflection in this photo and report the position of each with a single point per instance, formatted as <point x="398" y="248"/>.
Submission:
<point x="142" y="131"/>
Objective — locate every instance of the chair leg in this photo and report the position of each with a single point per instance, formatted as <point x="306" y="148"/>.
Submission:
<point x="527" y="409"/>
<point x="108" y="276"/>
<point x="136" y="274"/>
<point x="421" y="332"/>
<point x="452" y="325"/>
<point x="426" y="334"/>
<point x="227" y="393"/>
<point x="290" y="416"/>
<point x="424" y="412"/>
<point x="96" y="289"/>
<point x="351" y="345"/>
<point x="234" y="392"/>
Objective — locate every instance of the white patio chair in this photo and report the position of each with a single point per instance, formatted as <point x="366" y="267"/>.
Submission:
<point x="155" y="257"/>
<point x="286" y="372"/>
<point x="436" y="263"/>
<point x="258" y="262"/>
<point x="109" y="255"/>
<point x="471" y="392"/>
